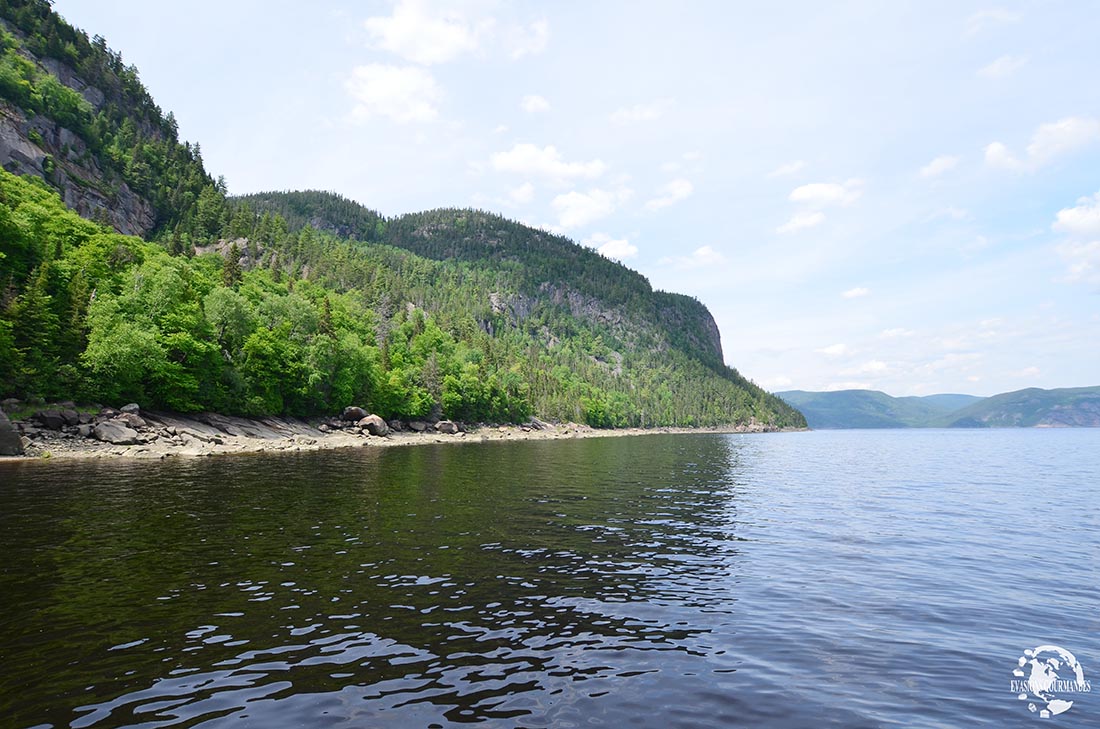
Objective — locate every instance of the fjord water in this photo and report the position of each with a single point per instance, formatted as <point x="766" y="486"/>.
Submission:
<point x="838" y="578"/>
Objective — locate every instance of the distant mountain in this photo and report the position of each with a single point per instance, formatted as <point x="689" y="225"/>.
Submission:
<point x="872" y="409"/>
<point x="1031" y="408"/>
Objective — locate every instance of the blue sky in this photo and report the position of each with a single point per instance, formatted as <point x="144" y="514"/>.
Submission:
<point x="902" y="196"/>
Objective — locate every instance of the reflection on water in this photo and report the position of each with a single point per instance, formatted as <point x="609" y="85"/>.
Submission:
<point x="800" y="579"/>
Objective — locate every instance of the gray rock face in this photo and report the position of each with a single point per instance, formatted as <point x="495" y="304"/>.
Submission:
<point x="131" y="419"/>
<point x="354" y="414"/>
<point x="446" y="426"/>
<point x="112" y="431"/>
<point x="50" y="419"/>
<point x="374" y="425"/>
<point x="71" y="169"/>
<point x="131" y="408"/>
<point x="10" y="442"/>
<point x="418" y="426"/>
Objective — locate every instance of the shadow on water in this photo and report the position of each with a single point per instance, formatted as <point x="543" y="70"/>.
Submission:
<point x="439" y="583"/>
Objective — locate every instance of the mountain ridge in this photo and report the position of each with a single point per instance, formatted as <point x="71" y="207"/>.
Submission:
<point x="1030" y="407"/>
<point x="303" y="303"/>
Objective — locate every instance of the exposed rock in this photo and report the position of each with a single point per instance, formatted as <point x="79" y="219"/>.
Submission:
<point x="374" y="425"/>
<point x="50" y="419"/>
<point x="418" y="426"/>
<point x="131" y="408"/>
<point x="323" y="428"/>
<point x="354" y="414"/>
<point x="10" y="442"/>
<point x="70" y="416"/>
<point x="10" y="404"/>
<point x="116" y="433"/>
<point x="85" y="430"/>
<point x="447" y="426"/>
<point x="131" y="419"/>
<point x="396" y="425"/>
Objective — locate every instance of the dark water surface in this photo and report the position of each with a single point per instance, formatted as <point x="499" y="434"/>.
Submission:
<point x="845" y="578"/>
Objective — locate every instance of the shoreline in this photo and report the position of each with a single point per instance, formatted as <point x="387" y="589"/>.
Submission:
<point x="170" y="435"/>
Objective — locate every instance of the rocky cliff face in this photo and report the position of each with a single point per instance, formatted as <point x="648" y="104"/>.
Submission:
<point x="35" y="145"/>
<point x="32" y="144"/>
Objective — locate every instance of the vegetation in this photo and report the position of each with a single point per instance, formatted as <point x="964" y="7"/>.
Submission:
<point x="872" y="409"/>
<point x="1067" y="406"/>
<point x="303" y="303"/>
<point x="131" y="139"/>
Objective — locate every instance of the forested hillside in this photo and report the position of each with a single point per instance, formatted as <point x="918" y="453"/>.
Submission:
<point x="303" y="303"/>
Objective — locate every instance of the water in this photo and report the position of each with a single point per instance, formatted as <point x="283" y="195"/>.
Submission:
<point x="837" y="578"/>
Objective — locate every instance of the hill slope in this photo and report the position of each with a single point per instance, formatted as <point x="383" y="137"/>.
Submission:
<point x="870" y="408"/>
<point x="302" y="303"/>
<point x="1033" y="407"/>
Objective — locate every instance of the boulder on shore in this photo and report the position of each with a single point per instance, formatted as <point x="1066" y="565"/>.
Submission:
<point x="354" y="414"/>
<point x="447" y="426"/>
<point x="374" y="425"/>
<point x="10" y="442"/>
<point x="50" y="419"/>
<point x="116" y="433"/>
<point x="131" y="408"/>
<point x="418" y="426"/>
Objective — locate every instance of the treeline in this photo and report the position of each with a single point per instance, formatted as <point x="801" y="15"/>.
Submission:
<point x="127" y="133"/>
<point x="306" y="323"/>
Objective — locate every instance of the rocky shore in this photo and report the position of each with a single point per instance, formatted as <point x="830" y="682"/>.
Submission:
<point x="65" y="431"/>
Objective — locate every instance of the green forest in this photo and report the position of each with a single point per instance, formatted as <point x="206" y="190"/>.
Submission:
<point x="304" y="303"/>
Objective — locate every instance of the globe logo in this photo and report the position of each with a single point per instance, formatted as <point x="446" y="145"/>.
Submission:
<point x="1044" y="676"/>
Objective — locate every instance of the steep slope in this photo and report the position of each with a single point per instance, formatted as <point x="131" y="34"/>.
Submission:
<point x="74" y="115"/>
<point x="871" y="409"/>
<point x="1033" y="407"/>
<point x="303" y="303"/>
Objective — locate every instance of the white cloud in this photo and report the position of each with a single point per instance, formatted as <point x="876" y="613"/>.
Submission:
<point x="872" y="367"/>
<point x="619" y="249"/>
<point x="1081" y="220"/>
<point x="1060" y="137"/>
<point x="425" y="34"/>
<point x="896" y="333"/>
<point x="788" y="169"/>
<point x="670" y="194"/>
<point x="533" y="104"/>
<point x="699" y="258"/>
<point x="997" y="155"/>
<point x="529" y="159"/>
<point x="500" y="129"/>
<point x="987" y="18"/>
<point x="821" y="194"/>
<point x="941" y="164"/>
<point x="576" y="209"/>
<point x="1002" y="67"/>
<point x="856" y="293"/>
<point x="801" y="221"/>
<point x="404" y="94"/>
<point x="530" y="40"/>
<point x="774" y="383"/>
<point x="833" y="350"/>
<point x="429" y="32"/>
<point x="523" y="194"/>
<point x="1049" y="141"/>
<point x="640" y="112"/>
<point x="1083" y="260"/>
<point x="1082" y="252"/>
<point x="1027" y="373"/>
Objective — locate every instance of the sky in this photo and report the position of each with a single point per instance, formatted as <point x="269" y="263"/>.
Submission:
<point x="902" y="196"/>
